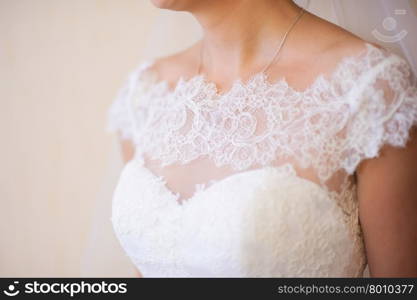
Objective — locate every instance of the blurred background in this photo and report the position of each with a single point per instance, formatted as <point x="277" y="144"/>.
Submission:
<point x="61" y="64"/>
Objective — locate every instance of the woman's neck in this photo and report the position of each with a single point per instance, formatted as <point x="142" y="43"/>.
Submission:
<point x="242" y="34"/>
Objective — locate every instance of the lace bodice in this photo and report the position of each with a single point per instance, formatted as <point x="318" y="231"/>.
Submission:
<point x="219" y="178"/>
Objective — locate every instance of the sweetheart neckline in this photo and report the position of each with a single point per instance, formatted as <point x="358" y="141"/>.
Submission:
<point x="287" y="169"/>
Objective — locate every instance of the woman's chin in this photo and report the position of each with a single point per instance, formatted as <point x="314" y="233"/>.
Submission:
<point x="181" y="5"/>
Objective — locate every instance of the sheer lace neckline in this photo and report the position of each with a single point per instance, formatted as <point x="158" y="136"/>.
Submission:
<point x="256" y="123"/>
<point x="255" y="80"/>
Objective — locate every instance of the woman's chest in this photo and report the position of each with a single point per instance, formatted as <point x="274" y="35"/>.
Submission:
<point x="260" y="222"/>
<point x="242" y="128"/>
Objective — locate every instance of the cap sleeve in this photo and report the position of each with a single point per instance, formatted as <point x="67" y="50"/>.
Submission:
<point x="119" y="117"/>
<point x="384" y="108"/>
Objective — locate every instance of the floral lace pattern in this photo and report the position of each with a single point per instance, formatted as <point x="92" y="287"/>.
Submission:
<point x="368" y="101"/>
<point x="226" y="126"/>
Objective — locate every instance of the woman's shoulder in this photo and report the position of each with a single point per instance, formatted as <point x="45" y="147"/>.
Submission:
<point x="169" y="68"/>
<point x="326" y="44"/>
<point x="341" y="53"/>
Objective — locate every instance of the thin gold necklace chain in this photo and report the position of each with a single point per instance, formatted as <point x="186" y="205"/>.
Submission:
<point x="302" y="11"/>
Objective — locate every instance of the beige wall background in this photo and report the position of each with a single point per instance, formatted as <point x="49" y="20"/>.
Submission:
<point x="61" y="63"/>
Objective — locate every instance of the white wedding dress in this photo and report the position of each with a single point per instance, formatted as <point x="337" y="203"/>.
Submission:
<point x="257" y="181"/>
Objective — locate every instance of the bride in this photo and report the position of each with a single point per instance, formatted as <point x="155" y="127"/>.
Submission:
<point x="279" y="145"/>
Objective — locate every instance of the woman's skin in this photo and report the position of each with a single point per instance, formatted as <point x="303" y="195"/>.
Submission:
<point x="240" y="38"/>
